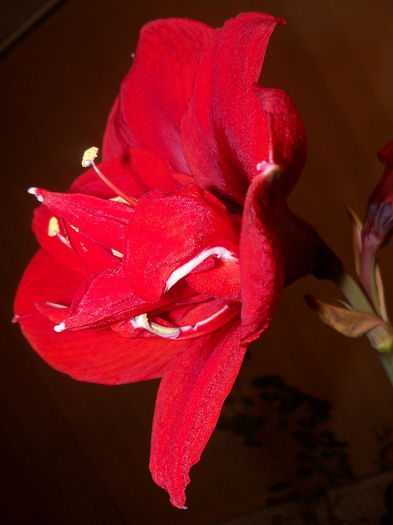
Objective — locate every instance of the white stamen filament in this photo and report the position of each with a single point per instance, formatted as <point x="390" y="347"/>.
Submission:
<point x="55" y="305"/>
<point x="204" y="321"/>
<point x="185" y="269"/>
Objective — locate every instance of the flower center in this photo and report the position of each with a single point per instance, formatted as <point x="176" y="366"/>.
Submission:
<point x="204" y="326"/>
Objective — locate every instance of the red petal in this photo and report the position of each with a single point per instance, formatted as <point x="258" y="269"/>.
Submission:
<point x="102" y="220"/>
<point x="154" y="95"/>
<point x="103" y="298"/>
<point x="287" y="135"/>
<point x="70" y="247"/>
<point x="55" y="244"/>
<point x="227" y="130"/>
<point x="188" y="405"/>
<point x="155" y="173"/>
<point x="95" y="355"/>
<point x="107" y="298"/>
<point x="261" y="273"/>
<point x="94" y="256"/>
<point x="223" y="281"/>
<point x="166" y="231"/>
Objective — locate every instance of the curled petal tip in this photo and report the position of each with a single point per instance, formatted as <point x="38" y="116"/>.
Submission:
<point x="59" y="327"/>
<point x="33" y="191"/>
<point x="267" y="168"/>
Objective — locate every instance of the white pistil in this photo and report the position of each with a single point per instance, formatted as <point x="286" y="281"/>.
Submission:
<point x="185" y="269"/>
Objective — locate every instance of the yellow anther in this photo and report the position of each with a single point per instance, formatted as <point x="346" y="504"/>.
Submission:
<point x="163" y="331"/>
<point x="89" y="156"/>
<point x="53" y="227"/>
<point x="116" y="253"/>
<point x="119" y="199"/>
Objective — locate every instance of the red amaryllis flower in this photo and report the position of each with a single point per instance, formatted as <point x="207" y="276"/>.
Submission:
<point x="169" y="258"/>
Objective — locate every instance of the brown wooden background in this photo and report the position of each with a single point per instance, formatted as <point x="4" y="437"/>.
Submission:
<point x="78" y="453"/>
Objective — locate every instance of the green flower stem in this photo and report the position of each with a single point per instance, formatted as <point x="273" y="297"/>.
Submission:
<point x="354" y="294"/>
<point x="380" y="337"/>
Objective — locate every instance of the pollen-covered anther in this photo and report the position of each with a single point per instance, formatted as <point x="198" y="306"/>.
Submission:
<point x="89" y="156"/>
<point x="117" y="254"/>
<point x="119" y="199"/>
<point x="53" y="227"/>
<point x="142" y="321"/>
<point x="202" y="327"/>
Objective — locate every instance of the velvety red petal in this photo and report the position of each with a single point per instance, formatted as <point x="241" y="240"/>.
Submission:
<point x="155" y="173"/>
<point x="107" y="298"/>
<point x="221" y="281"/>
<point x="101" y="220"/>
<point x="102" y="298"/>
<point x="188" y="405"/>
<point x="228" y="130"/>
<point x="155" y="93"/>
<point x="71" y="247"/>
<point x="94" y="256"/>
<point x="261" y="273"/>
<point x="57" y="245"/>
<point x="167" y="231"/>
<point x="287" y="136"/>
<point x="95" y="355"/>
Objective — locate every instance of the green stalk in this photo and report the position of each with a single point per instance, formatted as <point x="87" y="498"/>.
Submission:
<point x="354" y="294"/>
<point x="380" y="337"/>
